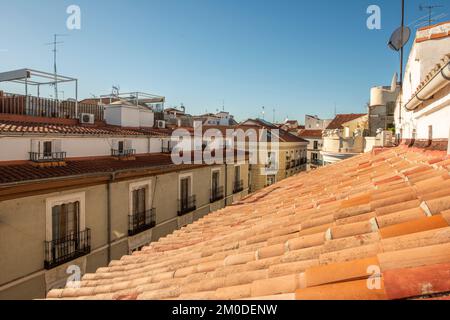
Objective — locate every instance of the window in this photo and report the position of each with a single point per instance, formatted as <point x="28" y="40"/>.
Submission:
<point x="215" y="180"/>
<point x="47" y="148"/>
<point x="237" y="173"/>
<point x="65" y="220"/>
<point x="271" y="179"/>
<point x="139" y="200"/>
<point x="187" y="201"/>
<point x="120" y="147"/>
<point x="66" y="235"/>
<point x="316" y="145"/>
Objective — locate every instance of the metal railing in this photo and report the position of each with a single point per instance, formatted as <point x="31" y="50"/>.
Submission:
<point x="123" y="153"/>
<point x="72" y="246"/>
<point x="166" y="150"/>
<point x="47" y="156"/>
<point x="216" y="194"/>
<point x="141" y="221"/>
<point x="238" y="186"/>
<point x="44" y="107"/>
<point x="187" y="205"/>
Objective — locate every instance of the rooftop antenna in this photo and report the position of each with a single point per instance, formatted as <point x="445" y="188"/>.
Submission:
<point x="430" y="11"/>
<point x="397" y="42"/>
<point x="223" y="105"/>
<point x="54" y="44"/>
<point x="263" y="112"/>
<point x="273" y="115"/>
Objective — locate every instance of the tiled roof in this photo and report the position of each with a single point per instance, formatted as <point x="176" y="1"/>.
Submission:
<point x="26" y="171"/>
<point x="436" y="69"/>
<point x="310" y="133"/>
<point x="375" y="226"/>
<point x="343" y="118"/>
<point x="21" y="127"/>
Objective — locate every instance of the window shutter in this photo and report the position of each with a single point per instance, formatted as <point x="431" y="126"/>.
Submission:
<point x="56" y="145"/>
<point x="35" y="146"/>
<point x="115" y="144"/>
<point x="128" y="144"/>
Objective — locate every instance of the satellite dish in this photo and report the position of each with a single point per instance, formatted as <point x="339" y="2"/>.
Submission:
<point x="399" y="38"/>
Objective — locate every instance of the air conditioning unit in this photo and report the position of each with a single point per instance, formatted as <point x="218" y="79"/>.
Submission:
<point x="161" y="124"/>
<point x="87" y="118"/>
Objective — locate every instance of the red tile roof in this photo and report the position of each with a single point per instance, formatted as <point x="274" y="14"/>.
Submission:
<point x="21" y="127"/>
<point x="26" y="171"/>
<point x="343" y="118"/>
<point x="310" y="133"/>
<point x="376" y="226"/>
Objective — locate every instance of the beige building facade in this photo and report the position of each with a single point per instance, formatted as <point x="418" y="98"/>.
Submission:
<point x="105" y="208"/>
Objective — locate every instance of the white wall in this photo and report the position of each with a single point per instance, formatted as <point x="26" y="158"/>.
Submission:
<point x="146" y="118"/>
<point x="423" y="57"/>
<point x="18" y="148"/>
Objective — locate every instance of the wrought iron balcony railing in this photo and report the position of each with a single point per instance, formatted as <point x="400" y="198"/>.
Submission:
<point x="70" y="247"/>
<point x="142" y="221"/>
<point x="47" y="156"/>
<point x="166" y="150"/>
<point x="123" y="153"/>
<point x="238" y="186"/>
<point x="216" y="194"/>
<point x="186" y="205"/>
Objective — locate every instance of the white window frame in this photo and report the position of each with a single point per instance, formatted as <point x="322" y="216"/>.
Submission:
<point x="59" y="200"/>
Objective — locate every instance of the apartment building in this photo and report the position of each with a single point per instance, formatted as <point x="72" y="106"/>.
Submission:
<point x="423" y="109"/>
<point x="315" y="123"/>
<point x="315" y="143"/>
<point x="344" y="137"/>
<point x="75" y="195"/>
<point x="285" y="158"/>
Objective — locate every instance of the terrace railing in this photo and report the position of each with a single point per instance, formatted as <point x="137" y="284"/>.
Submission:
<point x="187" y="205"/>
<point x="47" y="156"/>
<point x="44" y="107"/>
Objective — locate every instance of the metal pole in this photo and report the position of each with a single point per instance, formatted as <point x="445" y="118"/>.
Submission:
<point x="401" y="63"/>
<point x="26" y="96"/>
<point x="76" y="99"/>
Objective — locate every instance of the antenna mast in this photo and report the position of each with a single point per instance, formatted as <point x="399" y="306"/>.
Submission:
<point x="430" y="12"/>
<point x="54" y="44"/>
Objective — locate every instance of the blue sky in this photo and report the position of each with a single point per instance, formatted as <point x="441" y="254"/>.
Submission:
<point x="299" y="57"/>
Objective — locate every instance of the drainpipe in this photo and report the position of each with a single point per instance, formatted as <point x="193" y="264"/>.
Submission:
<point x="439" y="80"/>
<point x="226" y="183"/>
<point x="109" y="206"/>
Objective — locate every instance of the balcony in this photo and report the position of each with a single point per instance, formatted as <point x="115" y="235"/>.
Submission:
<point x="238" y="186"/>
<point x="47" y="156"/>
<point x="44" y="107"/>
<point x="70" y="247"/>
<point x="216" y="194"/>
<point x="186" y="205"/>
<point x="140" y="222"/>
<point x="125" y="153"/>
<point x="166" y="150"/>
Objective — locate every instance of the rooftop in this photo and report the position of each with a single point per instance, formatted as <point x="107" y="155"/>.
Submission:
<point x="16" y="124"/>
<point x="340" y="119"/>
<point x="385" y="216"/>
<point x="310" y="133"/>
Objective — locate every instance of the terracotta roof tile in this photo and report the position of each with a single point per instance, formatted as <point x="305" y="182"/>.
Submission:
<point x="305" y="236"/>
<point x="343" y="118"/>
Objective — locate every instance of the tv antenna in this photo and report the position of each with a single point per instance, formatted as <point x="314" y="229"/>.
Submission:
<point x="54" y="44"/>
<point x="430" y="11"/>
